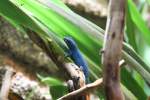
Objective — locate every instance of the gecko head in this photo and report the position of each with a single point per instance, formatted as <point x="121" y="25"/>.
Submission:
<point x="70" y="42"/>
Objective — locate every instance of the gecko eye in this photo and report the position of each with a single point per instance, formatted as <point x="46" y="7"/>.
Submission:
<point x="65" y="39"/>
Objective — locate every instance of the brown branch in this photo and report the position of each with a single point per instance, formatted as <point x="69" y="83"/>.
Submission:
<point x="87" y="88"/>
<point x="112" y="49"/>
<point x="6" y="84"/>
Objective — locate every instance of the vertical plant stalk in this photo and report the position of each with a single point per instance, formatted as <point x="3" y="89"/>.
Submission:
<point x="112" y="49"/>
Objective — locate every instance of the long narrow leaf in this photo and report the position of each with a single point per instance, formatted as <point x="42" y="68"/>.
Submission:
<point x="137" y="19"/>
<point x="130" y="30"/>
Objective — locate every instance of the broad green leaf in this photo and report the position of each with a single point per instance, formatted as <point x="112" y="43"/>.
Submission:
<point x="138" y="92"/>
<point x="130" y="30"/>
<point x="58" y="91"/>
<point x="60" y="29"/>
<point x="138" y="21"/>
<point x="148" y="2"/>
<point x="128" y="94"/>
<point x="136" y="57"/>
<point x="50" y="80"/>
<point x="59" y="3"/>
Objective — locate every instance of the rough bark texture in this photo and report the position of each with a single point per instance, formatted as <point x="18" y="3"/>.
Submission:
<point x="94" y="7"/>
<point x="93" y="10"/>
<point x="112" y="49"/>
<point x="17" y="48"/>
<point x="20" y="53"/>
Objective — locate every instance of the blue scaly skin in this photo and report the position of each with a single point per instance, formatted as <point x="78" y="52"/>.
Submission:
<point x="76" y="56"/>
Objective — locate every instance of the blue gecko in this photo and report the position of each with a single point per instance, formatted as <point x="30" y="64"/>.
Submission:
<point x="76" y="56"/>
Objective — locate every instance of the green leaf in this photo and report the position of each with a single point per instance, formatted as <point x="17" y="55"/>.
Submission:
<point x="132" y="85"/>
<point x="130" y="30"/>
<point x="138" y="21"/>
<point x="58" y="91"/>
<point x="50" y="81"/>
<point x="128" y="94"/>
<point x="59" y="3"/>
<point x="148" y="2"/>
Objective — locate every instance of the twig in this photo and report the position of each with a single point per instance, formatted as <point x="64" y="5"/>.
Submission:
<point x="122" y="63"/>
<point x="87" y="88"/>
<point x="6" y="84"/>
<point x="112" y="49"/>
